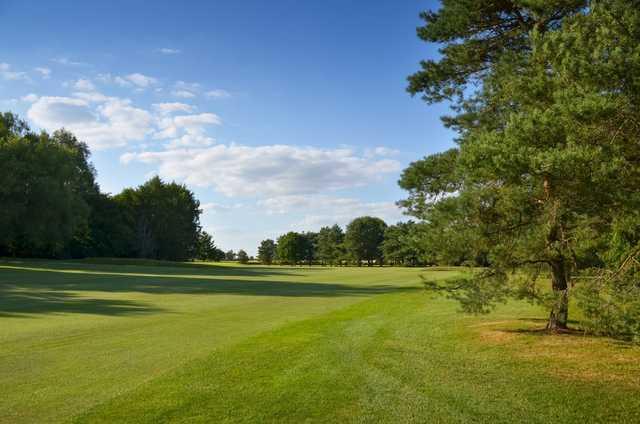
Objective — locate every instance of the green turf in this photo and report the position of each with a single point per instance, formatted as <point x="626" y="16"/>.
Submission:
<point x="157" y="342"/>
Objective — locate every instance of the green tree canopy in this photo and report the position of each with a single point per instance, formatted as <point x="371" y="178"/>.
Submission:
<point x="165" y="219"/>
<point x="402" y="244"/>
<point x="291" y="248"/>
<point x="206" y="249"/>
<point x="547" y="155"/>
<point x="267" y="251"/>
<point x="330" y="247"/>
<point x="364" y="238"/>
<point x="52" y="206"/>
<point x="308" y="246"/>
<point x="243" y="258"/>
<point x="47" y="181"/>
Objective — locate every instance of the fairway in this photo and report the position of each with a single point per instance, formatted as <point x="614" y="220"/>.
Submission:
<point x="195" y="342"/>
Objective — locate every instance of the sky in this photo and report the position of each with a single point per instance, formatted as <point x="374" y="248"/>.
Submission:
<point x="280" y="116"/>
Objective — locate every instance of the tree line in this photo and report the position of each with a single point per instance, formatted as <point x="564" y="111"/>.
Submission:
<point x="543" y="184"/>
<point x="52" y="206"/>
<point x="367" y="240"/>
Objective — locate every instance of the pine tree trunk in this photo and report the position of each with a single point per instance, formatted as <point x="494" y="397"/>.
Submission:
<point x="560" y="309"/>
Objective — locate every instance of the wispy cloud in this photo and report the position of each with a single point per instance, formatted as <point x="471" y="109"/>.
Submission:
<point x="9" y="74"/>
<point x="218" y="94"/>
<point x="44" y="72"/>
<point x="184" y="94"/>
<point x="169" y="51"/>
<point x="84" y="85"/>
<point x="136" y="79"/>
<point x="186" y="90"/>
<point x="319" y="210"/>
<point x="172" y="107"/>
<point x="67" y="62"/>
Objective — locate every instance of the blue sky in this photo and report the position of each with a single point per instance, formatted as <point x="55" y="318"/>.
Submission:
<point x="282" y="115"/>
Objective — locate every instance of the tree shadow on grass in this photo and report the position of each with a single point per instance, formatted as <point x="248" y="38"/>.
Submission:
<point x="537" y="327"/>
<point x="23" y="304"/>
<point x="160" y="268"/>
<point x="543" y="321"/>
<point x="28" y="291"/>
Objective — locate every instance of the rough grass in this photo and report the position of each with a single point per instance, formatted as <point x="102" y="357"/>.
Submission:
<point x="107" y="342"/>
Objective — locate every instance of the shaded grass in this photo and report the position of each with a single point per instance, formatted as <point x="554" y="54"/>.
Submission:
<point x="242" y="344"/>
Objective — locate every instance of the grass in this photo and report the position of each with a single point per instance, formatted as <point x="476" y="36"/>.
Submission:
<point x="103" y="341"/>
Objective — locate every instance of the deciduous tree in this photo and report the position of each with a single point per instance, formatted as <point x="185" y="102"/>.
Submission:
<point x="291" y="248"/>
<point x="267" y="251"/>
<point x="330" y="244"/>
<point x="364" y="238"/>
<point x="243" y="258"/>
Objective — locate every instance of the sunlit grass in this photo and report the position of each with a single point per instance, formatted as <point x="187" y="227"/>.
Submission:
<point x="138" y="342"/>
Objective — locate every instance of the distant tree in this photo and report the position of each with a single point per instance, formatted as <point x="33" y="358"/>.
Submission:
<point x="110" y="231"/>
<point x="291" y="248"/>
<point x="267" y="251"/>
<point x="206" y="248"/>
<point x="308" y="246"/>
<point x="243" y="258"/>
<point x="330" y="248"/>
<point x="165" y="218"/>
<point x="218" y="255"/>
<point x="401" y="244"/>
<point x="230" y="255"/>
<point x="364" y="238"/>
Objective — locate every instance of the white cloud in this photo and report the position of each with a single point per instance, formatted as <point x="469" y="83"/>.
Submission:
<point x="186" y="90"/>
<point x="190" y="121"/>
<point x="172" y="107"/>
<point x="216" y="208"/>
<point x="190" y="86"/>
<point x="121" y="81"/>
<point x="269" y="171"/>
<point x="319" y="210"/>
<point x="183" y="94"/>
<point x="135" y="79"/>
<point x="104" y="78"/>
<point x="7" y="73"/>
<point x="218" y="94"/>
<point x="141" y="80"/>
<point x="84" y="85"/>
<point x="191" y="139"/>
<point x="53" y="112"/>
<point x="381" y="151"/>
<point x="187" y="130"/>
<point x="112" y="123"/>
<point x="93" y="96"/>
<point x="44" y="72"/>
<point x="166" y="50"/>
<point x="323" y="210"/>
